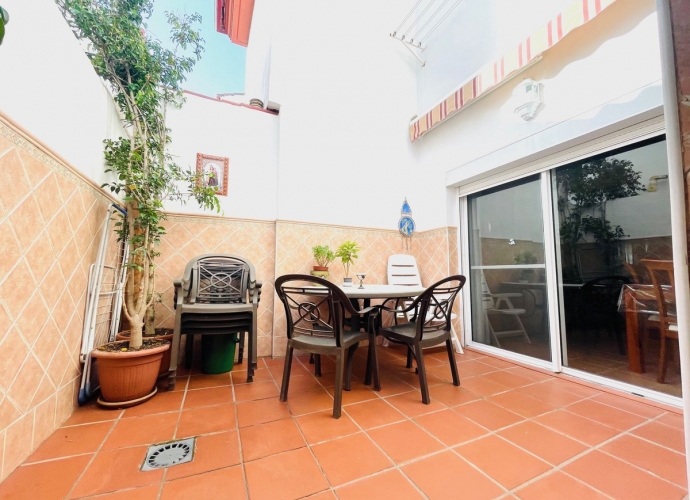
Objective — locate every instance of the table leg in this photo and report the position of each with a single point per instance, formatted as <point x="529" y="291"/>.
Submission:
<point x="635" y="354"/>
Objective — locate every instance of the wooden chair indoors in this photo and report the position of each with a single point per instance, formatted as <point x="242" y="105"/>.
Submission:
<point x="429" y="326"/>
<point x="218" y="294"/>
<point x="661" y="274"/>
<point x="315" y="311"/>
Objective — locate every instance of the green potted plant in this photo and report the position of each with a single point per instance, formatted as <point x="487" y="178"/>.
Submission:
<point x="348" y="254"/>
<point x="144" y="78"/>
<point x="527" y="258"/>
<point x="323" y="256"/>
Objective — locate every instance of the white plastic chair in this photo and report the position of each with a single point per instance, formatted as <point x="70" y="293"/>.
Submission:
<point x="500" y="304"/>
<point x="403" y="270"/>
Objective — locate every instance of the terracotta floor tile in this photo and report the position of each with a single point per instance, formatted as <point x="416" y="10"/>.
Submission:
<point x="223" y="484"/>
<point x="357" y="394"/>
<point x="115" y="470"/>
<point x="262" y="440"/>
<point x="476" y="367"/>
<point x="503" y="461"/>
<point x="508" y="379"/>
<point x="483" y="387"/>
<point x="488" y="415"/>
<point x="91" y="413"/>
<point x="637" y="407"/>
<point x="206" y="381"/>
<point x="672" y="419"/>
<point x="147" y="430"/>
<point x="577" y="427"/>
<point x="303" y="383"/>
<point x="440" y="375"/>
<point x="501" y="364"/>
<point x="558" y="486"/>
<point x="573" y="387"/>
<point x="180" y="384"/>
<point x="324" y="495"/>
<point x="256" y="390"/>
<point x="547" y="444"/>
<point x="287" y="476"/>
<point x="212" y="452"/>
<point x="144" y="493"/>
<point x="450" y="427"/>
<point x="161" y="402"/>
<point x="522" y="404"/>
<point x="44" y="481"/>
<point x="621" y="480"/>
<point x="389" y="484"/>
<point x="392" y="385"/>
<point x="349" y="458"/>
<point x="404" y="441"/>
<point x="451" y="395"/>
<point x="607" y="415"/>
<point x="206" y="420"/>
<point x="318" y="427"/>
<point x="310" y="401"/>
<point x="410" y="404"/>
<point x="664" y="435"/>
<point x="660" y="461"/>
<point x="432" y="477"/>
<point x="373" y="413"/>
<point x="532" y="374"/>
<point x="240" y="376"/>
<point x="67" y="441"/>
<point x="208" y="397"/>
<point x="258" y="412"/>
<point x="550" y="394"/>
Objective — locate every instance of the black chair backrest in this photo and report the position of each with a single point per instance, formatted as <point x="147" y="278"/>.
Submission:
<point x="436" y="305"/>
<point x="217" y="279"/>
<point x="313" y="306"/>
<point x="602" y="293"/>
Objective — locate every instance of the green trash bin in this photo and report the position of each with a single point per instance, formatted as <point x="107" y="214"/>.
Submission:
<point x="218" y="353"/>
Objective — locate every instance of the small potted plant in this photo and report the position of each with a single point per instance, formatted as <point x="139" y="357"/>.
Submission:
<point x="527" y="258"/>
<point x="323" y="256"/>
<point x="347" y="253"/>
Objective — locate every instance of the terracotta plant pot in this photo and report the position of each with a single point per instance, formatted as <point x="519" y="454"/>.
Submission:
<point x="161" y="334"/>
<point x="320" y="268"/>
<point x="126" y="376"/>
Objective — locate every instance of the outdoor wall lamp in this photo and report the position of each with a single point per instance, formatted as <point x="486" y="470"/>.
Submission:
<point x="527" y="97"/>
<point x="652" y="187"/>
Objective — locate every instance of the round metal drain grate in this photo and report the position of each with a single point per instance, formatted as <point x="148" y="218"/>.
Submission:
<point x="169" y="454"/>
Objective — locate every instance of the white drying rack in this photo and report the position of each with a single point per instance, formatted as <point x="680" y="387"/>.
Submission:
<point x="103" y="302"/>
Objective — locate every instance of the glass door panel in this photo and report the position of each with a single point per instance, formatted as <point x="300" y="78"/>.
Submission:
<point x="613" y="225"/>
<point x="508" y="280"/>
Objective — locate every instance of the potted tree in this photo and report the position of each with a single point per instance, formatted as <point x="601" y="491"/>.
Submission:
<point x="323" y="256"/>
<point x="348" y="254"/>
<point x="144" y="78"/>
<point x="526" y="258"/>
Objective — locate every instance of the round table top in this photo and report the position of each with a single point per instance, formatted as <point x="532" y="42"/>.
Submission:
<point x="381" y="291"/>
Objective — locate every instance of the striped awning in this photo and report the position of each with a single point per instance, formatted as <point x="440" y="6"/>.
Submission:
<point x="493" y="74"/>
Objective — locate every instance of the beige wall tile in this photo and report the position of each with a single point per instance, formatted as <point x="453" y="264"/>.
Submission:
<point x="18" y="441"/>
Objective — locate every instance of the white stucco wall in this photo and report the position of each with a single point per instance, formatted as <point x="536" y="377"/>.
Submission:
<point x="602" y="74"/>
<point x="247" y="137"/>
<point x="48" y="86"/>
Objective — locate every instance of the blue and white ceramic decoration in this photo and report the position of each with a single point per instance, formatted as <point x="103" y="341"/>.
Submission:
<point x="406" y="224"/>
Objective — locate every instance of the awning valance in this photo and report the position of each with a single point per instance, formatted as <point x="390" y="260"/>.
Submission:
<point x="493" y="74"/>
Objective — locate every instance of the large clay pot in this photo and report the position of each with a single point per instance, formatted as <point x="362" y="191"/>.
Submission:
<point x="126" y="376"/>
<point x="160" y="335"/>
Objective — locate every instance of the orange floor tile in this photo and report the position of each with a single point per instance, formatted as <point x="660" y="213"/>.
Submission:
<point x="507" y="432"/>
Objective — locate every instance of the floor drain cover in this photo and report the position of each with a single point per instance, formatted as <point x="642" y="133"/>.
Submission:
<point x="169" y="454"/>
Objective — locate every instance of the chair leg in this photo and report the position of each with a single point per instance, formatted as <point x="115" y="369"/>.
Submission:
<point x="373" y="362"/>
<point x="409" y="357"/>
<point x="451" y="359"/>
<point x="311" y="358"/>
<point x="348" y="366"/>
<point x="286" y="373"/>
<point x="338" y="396"/>
<point x="317" y="365"/>
<point x="240" y="354"/>
<point x="423" y="385"/>
<point x="663" y="359"/>
<point x="189" y="351"/>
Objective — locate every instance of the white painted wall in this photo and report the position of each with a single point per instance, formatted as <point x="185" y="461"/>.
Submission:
<point x="347" y="92"/>
<point x="247" y="137"/>
<point x="600" y="74"/>
<point x="48" y="86"/>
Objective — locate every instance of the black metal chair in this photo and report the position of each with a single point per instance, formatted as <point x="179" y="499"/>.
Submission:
<point x="217" y="295"/>
<point x="430" y="326"/>
<point x="599" y="306"/>
<point x="315" y="311"/>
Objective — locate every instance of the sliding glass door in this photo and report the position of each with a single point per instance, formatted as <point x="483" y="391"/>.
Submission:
<point x="508" y="279"/>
